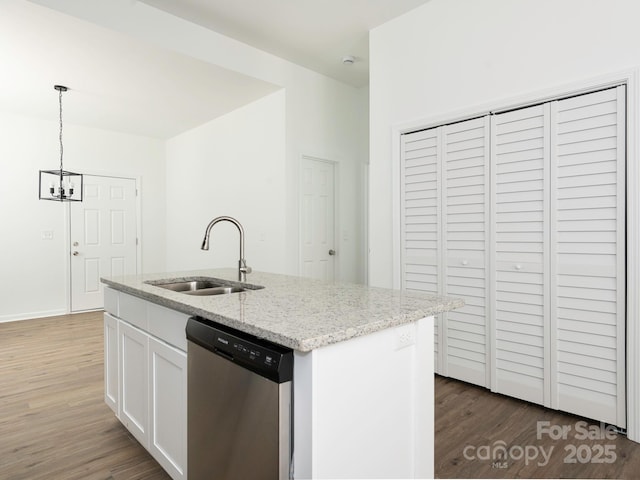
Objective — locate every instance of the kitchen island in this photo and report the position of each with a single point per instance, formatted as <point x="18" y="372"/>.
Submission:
<point x="363" y="366"/>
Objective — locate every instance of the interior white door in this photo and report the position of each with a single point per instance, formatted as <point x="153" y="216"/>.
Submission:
<point x="317" y="219"/>
<point x="588" y="255"/>
<point x="420" y="229"/>
<point x="520" y="253"/>
<point x="534" y="241"/>
<point x="103" y="237"/>
<point x="465" y="260"/>
<point x="444" y="238"/>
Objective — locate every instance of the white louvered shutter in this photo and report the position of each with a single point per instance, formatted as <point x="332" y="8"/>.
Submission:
<point x="465" y="220"/>
<point x="520" y="178"/>
<point x="420" y="219"/>
<point x="588" y="255"/>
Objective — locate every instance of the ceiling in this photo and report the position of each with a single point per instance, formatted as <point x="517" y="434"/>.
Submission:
<point x="316" y="34"/>
<point x="163" y="93"/>
<point x="116" y="82"/>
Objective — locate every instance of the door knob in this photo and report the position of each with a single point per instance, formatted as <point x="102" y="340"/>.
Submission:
<point x="76" y="253"/>
<point x="332" y="252"/>
<point x="465" y="262"/>
<point x="518" y="267"/>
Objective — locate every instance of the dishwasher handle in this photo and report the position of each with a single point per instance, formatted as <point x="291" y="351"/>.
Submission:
<point x="265" y="358"/>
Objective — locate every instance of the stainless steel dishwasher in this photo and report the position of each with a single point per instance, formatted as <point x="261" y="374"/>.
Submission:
<point x="239" y="406"/>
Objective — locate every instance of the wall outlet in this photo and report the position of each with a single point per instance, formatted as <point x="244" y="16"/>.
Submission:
<point x="405" y="336"/>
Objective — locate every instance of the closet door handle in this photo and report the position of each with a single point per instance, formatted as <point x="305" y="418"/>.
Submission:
<point x="464" y="262"/>
<point x="518" y="267"/>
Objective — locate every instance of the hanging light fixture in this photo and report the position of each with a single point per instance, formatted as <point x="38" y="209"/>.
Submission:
<point x="60" y="185"/>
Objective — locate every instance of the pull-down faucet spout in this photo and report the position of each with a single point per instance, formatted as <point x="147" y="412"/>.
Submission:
<point x="242" y="263"/>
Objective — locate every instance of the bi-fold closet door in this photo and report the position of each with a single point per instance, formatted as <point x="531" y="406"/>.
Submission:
<point x="445" y="219"/>
<point x="522" y="214"/>
<point x="558" y="254"/>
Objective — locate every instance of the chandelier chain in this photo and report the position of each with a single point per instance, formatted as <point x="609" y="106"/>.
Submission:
<point x="61" y="148"/>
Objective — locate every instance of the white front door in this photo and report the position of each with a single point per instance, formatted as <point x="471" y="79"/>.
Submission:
<point x="103" y="237"/>
<point x="317" y="219"/>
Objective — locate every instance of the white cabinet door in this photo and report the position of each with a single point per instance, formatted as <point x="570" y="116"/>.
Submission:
<point x="420" y="220"/>
<point x="111" y="390"/>
<point x="134" y="378"/>
<point x="465" y="229"/>
<point x="520" y="253"/>
<point x="168" y="404"/>
<point x="588" y="255"/>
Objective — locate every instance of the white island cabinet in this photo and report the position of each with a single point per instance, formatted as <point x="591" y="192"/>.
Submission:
<point x="146" y="376"/>
<point x="363" y="408"/>
<point x="363" y="367"/>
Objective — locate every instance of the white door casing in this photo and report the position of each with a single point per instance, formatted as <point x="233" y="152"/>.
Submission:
<point x="317" y="219"/>
<point x="630" y="78"/>
<point x="103" y="235"/>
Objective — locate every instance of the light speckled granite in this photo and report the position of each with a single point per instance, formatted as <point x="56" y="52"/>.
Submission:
<point x="295" y="312"/>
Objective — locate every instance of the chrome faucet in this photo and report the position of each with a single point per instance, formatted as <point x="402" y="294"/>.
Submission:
<point x="242" y="263"/>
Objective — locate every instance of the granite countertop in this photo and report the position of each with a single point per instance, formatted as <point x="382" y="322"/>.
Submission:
<point x="296" y="312"/>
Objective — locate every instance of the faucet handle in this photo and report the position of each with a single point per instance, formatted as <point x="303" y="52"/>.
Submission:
<point x="245" y="269"/>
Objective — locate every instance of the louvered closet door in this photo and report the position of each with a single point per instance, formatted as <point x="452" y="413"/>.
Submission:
<point x="420" y="219"/>
<point x="520" y="231"/>
<point x="588" y="255"/>
<point x="465" y="219"/>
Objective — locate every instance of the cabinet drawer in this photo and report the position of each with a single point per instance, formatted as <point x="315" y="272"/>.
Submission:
<point x="133" y="310"/>
<point x="167" y="325"/>
<point x="111" y="301"/>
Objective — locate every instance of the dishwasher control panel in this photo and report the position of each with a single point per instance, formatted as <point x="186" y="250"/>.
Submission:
<point x="259" y="355"/>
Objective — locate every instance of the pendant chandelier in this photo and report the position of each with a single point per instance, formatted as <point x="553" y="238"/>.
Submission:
<point x="60" y="185"/>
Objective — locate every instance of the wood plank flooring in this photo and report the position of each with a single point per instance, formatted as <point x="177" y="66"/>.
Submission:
<point x="54" y="423"/>
<point x="473" y="424"/>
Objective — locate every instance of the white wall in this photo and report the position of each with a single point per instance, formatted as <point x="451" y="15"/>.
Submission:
<point x="323" y="117"/>
<point x="34" y="271"/>
<point x="450" y="56"/>
<point x="238" y="165"/>
<point x="325" y="120"/>
<point x="235" y="166"/>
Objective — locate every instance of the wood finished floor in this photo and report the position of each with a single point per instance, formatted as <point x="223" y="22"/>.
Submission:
<point x="54" y="423"/>
<point x="472" y="418"/>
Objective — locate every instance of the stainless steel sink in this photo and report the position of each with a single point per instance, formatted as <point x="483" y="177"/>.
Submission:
<point x="188" y="286"/>
<point x="216" y="290"/>
<point x="203" y="286"/>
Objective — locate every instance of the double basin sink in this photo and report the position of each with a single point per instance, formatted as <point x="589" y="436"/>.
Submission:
<point x="203" y="286"/>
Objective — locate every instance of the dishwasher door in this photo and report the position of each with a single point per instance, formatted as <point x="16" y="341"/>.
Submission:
<point x="239" y="421"/>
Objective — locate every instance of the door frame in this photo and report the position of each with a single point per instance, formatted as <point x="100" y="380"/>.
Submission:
<point x="67" y="230"/>
<point x="336" y="211"/>
<point x="630" y="78"/>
